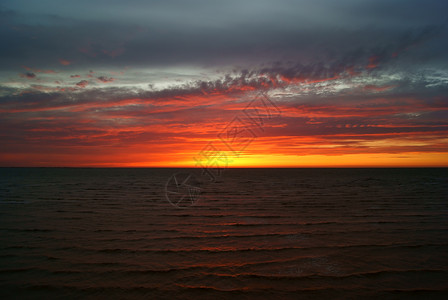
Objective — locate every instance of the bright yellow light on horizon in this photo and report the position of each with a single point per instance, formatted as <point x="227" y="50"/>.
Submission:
<point x="348" y="160"/>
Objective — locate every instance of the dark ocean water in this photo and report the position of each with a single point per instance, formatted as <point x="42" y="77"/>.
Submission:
<point x="253" y="234"/>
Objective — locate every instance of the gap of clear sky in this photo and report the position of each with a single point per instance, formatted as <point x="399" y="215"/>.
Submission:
<point x="161" y="83"/>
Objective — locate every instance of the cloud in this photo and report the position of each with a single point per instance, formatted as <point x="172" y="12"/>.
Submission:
<point x="186" y="116"/>
<point x="114" y="53"/>
<point x="258" y="33"/>
<point x="29" y="75"/>
<point x="39" y="70"/>
<point x="375" y="88"/>
<point x="105" y="79"/>
<point x="349" y="77"/>
<point x="64" y="62"/>
<point x="83" y="83"/>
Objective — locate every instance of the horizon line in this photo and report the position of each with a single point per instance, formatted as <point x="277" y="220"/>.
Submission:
<point x="250" y="167"/>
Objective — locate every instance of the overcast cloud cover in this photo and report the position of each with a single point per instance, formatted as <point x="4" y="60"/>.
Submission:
<point x="151" y="82"/>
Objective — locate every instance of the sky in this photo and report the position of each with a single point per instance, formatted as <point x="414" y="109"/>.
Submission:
<point x="238" y="83"/>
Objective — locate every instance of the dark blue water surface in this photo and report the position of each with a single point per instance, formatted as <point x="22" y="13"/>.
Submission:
<point x="252" y="234"/>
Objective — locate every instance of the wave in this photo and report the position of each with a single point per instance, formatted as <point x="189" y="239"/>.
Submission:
<point x="254" y="249"/>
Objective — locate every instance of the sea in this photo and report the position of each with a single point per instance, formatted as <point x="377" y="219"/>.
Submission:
<point x="164" y="233"/>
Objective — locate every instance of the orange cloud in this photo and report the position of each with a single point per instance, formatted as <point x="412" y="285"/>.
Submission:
<point x="170" y="127"/>
<point x="64" y="62"/>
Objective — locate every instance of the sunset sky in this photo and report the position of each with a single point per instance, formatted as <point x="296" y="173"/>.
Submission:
<point x="159" y="83"/>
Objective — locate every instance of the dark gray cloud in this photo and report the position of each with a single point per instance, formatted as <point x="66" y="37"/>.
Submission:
<point x="29" y="75"/>
<point x="214" y="33"/>
<point x="105" y="79"/>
